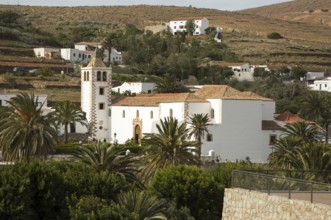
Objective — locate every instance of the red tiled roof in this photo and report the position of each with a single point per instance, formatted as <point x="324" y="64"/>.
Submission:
<point x="289" y="118"/>
<point x="271" y="125"/>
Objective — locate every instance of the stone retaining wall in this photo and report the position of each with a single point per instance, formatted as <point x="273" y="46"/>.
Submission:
<point x="244" y="204"/>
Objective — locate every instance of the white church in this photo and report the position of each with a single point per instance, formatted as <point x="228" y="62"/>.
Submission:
<point x="242" y="123"/>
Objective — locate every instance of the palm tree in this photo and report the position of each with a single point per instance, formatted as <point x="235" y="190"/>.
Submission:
<point x="199" y="127"/>
<point x="284" y="154"/>
<point x="141" y="205"/>
<point x="65" y="113"/>
<point x="304" y="131"/>
<point x="169" y="147"/>
<point x="108" y="43"/>
<point x="168" y="84"/>
<point x="104" y="157"/>
<point x="316" y="106"/>
<point x="25" y="133"/>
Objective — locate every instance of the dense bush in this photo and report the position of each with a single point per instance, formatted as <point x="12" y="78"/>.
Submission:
<point x="54" y="190"/>
<point x="274" y="36"/>
<point x="8" y="18"/>
<point x="190" y="187"/>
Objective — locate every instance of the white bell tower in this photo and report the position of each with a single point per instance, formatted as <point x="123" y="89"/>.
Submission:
<point x="96" y="97"/>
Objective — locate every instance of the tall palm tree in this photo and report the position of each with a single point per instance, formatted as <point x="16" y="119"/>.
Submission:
<point x="65" y="113"/>
<point x="142" y="205"/>
<point x="108" y="43"/>
<point x="306" y="132"/>
<point x="25" y="133"/>
<point x="199" y="127"/>
<point x="316" y="106"/>
<point x="169" y="147"/>
<point x="104" y="157"/>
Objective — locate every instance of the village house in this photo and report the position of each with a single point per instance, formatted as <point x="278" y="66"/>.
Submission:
<point x="49" y="53"/>
<point x="321" y="85"/>
<point x="83" y="53"/>
<point x="135" y="87"/>
<point x="242" y="123"/>
<point x="179" y="25"/>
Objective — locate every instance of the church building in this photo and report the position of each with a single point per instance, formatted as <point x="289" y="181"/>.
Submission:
<point x="242" y="123"/>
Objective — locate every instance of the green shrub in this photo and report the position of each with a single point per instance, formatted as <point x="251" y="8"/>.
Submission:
<point x="8" y="18"/>
<point x="274" y="36"/>
<point x="190" y="187"/>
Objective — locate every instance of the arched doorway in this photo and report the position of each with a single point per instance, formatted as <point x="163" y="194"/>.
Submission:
<point x="137" y="134"/>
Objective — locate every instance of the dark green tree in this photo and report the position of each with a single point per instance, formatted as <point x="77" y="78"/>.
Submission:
<point x="190" y="27"/>
<point x="185" y="184"/>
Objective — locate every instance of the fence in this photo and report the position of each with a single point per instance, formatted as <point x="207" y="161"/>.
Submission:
<point x="282" y="186"/>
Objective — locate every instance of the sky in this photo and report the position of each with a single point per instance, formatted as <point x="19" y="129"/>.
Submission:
<point x="230" y="5"/>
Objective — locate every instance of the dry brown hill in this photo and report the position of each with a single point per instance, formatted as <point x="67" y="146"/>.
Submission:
<point x="245" y="34"/>
<point x="306" y="11"/>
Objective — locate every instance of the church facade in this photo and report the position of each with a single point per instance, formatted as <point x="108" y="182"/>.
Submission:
<point x="242" y="123"/>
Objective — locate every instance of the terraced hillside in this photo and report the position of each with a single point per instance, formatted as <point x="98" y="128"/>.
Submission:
<point x="245" y="34"/>
<point x="305" y="11"/>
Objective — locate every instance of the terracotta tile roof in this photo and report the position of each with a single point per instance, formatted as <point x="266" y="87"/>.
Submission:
<point x="156" y="99"/>
<point x="289" y="118"/>
<point x="226" y="92"/>
<point x="271" y="125"/>
<point x="96" y="62"/>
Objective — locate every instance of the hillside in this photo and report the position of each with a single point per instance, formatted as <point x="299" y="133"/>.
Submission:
<point x="244" y="34"/>
<point x="305" y="11"/>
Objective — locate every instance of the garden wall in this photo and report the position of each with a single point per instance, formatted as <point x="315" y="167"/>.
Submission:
<point x="244" y="204"/>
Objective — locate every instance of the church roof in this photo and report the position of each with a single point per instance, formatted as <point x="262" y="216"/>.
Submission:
<point x="226" y="92"/>
<point x="96" y="62"/>
<point x="156" y="99"/>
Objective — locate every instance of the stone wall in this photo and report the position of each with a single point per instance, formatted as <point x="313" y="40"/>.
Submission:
<point x="244" y="204"/>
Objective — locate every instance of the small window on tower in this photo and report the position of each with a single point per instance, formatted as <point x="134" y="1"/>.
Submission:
<point x="151" y="115"/>
<point x="137" y="114"/>
<point x="123" y="114"/>
<point x="101" y="91"/>
<point x="88" y="76"/>
<point x="101" y="106"/>
<point x="104" y="76"/>
<point x="98" y="76"/>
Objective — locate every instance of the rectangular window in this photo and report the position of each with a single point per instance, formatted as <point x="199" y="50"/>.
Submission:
<point x="89" y="56"/>
<point x="0" y="102"/>
<point x="80" y="55"/>
<point x="74" y="54"/>
<point x="272" y="139"/>
<point x="174" y="27"/>
<point x="209" y="137"/>
<point x="181" y="27"/>
<point x="101" y="106"/>
<point x="101" y="91"/>
<point x="149" y="91"/>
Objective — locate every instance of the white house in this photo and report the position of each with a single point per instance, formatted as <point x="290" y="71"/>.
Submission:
<point x="242" y="71"/>
<point x="178" y="25"/>
<point x="312" y="76"/>
<point x="321" y="85"/>
<point x="135" y="87"/>
<point x="47" y="52"/>
<point x="83" y="52"/>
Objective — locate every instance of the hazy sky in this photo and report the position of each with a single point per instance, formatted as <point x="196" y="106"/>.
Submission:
<point x="216" y="4"/>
